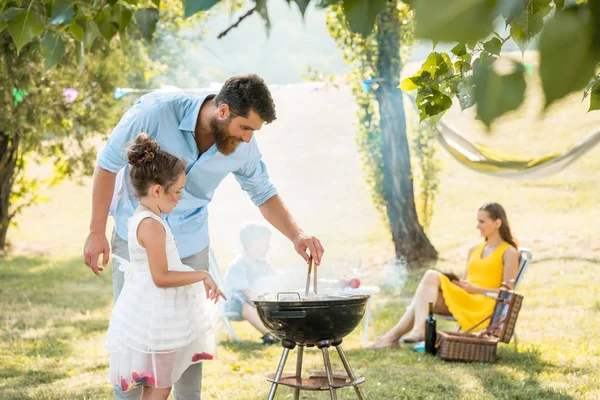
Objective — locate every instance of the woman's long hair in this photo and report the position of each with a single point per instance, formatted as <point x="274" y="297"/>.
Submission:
<point x="496" y="211"/>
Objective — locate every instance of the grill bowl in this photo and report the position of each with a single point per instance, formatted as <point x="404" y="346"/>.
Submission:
<point x="307" y="321"/>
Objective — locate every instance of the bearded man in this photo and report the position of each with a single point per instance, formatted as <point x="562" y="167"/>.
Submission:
<point x="215" y="137"/>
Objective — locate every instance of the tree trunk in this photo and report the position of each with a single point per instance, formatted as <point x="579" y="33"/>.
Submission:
<point x="9" y="145"/>
<point x="408" y="236"/>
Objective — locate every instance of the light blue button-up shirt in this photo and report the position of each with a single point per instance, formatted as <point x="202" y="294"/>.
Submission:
<point x="170" y="119"/>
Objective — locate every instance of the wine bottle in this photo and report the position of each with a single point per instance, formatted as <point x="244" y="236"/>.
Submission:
<point x="430" y="332"/>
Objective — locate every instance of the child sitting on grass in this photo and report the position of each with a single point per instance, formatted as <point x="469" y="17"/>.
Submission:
<point x="248" y="274"/>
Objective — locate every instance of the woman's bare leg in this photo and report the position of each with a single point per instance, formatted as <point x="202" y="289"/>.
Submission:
<point x="249" y="313"/>
<point x="149" y="393"/>
<point x="390" y="339"/>
<point x="427" y="292"/>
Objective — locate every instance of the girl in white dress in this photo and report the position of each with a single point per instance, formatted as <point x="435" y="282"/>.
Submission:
<point x="163" y="319"/>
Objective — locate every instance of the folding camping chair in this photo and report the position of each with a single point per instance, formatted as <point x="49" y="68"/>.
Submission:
<point x="226" y="316"/>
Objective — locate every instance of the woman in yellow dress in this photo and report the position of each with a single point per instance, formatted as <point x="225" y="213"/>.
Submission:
<point x="488" y="265"/>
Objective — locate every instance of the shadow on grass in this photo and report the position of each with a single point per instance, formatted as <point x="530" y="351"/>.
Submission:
<point x="502" y="384"/>
<point x="58" y="284"/>
<point x="95" y="393"/>
<point x="250" y="349"/>
<point x="14" y="378"/>
<point x="402" y="374"/>
<point x="47" y="307"/>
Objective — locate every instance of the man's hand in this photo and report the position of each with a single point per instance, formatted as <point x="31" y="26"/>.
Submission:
<point x="303" y="242"/>
<point x="96" y="244"/>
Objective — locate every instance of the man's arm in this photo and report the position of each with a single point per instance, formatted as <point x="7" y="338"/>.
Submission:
<point x="96" y="243"/>
<point x="277" y="214"/>
<point x="254" y="179"/>
<point x="111" y="159"/>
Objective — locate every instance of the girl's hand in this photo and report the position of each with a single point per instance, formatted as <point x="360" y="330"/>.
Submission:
<point x="213" y="292"/>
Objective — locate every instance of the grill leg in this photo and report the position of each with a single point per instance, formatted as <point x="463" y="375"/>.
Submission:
<point x="278" y="373"/>
<point x="298" y="371"/>
<point x="358" y="390"/>
<point x="324" y="345"/>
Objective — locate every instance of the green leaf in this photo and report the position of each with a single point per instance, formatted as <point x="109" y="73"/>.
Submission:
<point x="77" y="29"/>
<point x="79" y="56"/>
<point x="595" y="97"/>
<point x="3" y="24"/>
<point x="540" y="8"/>
<point x="438" y="65"/>
<point x="493" y="46"/>
<point x="524" y="28"/>
<point x="302" y="5"/>
<point x="327" y="3"/>
<point x="156" y="3"/>
<point x="62" y="12"/>
<point x="559" y="4"/>
<point x="362" y="14"/>
<point x="108" y="29"/>
<point x="459" y="50"/>
<point x="91" y="33"/>
<point x="53" y="49"/>
<point x="497" y="94"/>
<point x="510" y="9"/>
<point x="147" y="18"/>
<point x="462" y="67"/>
<point x="23" y="26"/>
<point x="485" y="60"/>
<point x="454" y="21"/>
<point x="191" y="7"/>
<point x="567" y="58"/>
<point x="594" y="94"/>
<point x="423" y="79"/>
<point x="407" y="85"/>
<point x="121" y="16"/>
<point x="432" y="103"/>
<point x="465" y="94"/>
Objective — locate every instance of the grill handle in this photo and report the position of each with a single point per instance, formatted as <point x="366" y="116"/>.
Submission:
<point x="288" y="293"/>
<point x="287" y="314"/>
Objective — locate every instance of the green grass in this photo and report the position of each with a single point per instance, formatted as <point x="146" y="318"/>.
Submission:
<point x="55" y="316"/>
<point x="54" y="312"/>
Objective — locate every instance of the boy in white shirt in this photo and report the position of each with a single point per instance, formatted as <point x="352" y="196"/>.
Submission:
<point x="248" y="276"/>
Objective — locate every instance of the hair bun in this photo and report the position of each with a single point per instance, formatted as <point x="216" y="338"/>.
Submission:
<point x="143" y="151"/>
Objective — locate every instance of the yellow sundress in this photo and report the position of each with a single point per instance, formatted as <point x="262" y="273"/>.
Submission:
<point x="467" y="308"/>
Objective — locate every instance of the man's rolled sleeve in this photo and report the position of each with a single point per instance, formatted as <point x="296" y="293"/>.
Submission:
<point x="254" y="179"/>
<point x="113" y="156"/>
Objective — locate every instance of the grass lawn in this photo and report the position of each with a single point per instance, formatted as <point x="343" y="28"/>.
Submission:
<point x="54" y="312"/>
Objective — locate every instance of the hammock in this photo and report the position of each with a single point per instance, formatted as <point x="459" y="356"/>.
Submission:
<point x="489" y="161"/>
<point x="494" y="162"/>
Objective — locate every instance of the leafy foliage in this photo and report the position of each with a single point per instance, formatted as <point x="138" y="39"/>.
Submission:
<point x="361" y="53"/>
<point x="569" y="45"/>
<point x="569" y="39"/>
<point x="56" y="105"/>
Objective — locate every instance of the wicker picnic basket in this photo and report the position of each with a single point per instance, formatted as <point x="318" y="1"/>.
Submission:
<point x="467" y="346"/>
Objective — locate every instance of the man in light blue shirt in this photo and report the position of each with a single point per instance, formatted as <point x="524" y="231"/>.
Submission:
<point x="214" y="135"/>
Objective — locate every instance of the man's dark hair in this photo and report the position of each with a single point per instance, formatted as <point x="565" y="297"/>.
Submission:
<point x="247" y="92"/>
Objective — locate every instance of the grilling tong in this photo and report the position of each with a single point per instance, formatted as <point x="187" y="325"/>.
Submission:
<point x="310" y="267"/>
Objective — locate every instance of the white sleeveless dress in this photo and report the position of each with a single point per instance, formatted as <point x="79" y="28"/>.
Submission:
<point x="155" y="333"/>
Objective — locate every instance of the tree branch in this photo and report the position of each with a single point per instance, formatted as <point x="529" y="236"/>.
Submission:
<point x="226" y="31"/>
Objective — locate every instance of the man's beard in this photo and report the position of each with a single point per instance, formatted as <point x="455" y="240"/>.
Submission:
<point x="226" y="143"/>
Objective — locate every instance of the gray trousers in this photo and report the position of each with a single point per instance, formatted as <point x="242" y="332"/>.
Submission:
<point x="189" y="386"/>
